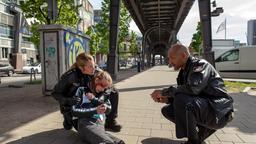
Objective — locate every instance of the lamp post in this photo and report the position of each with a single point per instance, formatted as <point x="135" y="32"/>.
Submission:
<point x="139" y="58"/>
<point x="217" y="11"/>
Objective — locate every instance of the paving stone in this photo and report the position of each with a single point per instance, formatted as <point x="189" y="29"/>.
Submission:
<point x="248" y="138"/>
<point x="139" y="132"/>
<point x="228" y="138"/>
<point x="161" y="133"/>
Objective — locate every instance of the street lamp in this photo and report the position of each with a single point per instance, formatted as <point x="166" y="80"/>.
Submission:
<point x="139" y="57"/>
<point x="217" y="11"/>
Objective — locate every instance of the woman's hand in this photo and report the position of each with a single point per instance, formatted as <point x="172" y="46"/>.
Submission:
<point x="101" y="109"/>
<point x="90" y="96"/>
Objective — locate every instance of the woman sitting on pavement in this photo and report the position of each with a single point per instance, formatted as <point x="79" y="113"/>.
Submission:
<point x="92" y="105"/>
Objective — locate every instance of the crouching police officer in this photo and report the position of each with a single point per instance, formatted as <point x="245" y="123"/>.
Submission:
<point x="199" y="105"/>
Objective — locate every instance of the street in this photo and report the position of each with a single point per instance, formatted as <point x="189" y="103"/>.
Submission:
<point x="16" y="79"/>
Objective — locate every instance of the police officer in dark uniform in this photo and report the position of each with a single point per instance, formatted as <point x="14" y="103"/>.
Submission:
<point x="79" y="75"/>
<point x="199" y="104"/>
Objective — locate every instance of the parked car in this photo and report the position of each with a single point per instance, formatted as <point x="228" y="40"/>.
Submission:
<point x="237" y="63"/>
<point x="103" y="66"/>
<point x="6" y="69"/>
<point x="35" y="66"/>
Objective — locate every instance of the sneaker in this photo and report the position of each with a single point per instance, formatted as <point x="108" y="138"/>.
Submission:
<point x="113" y="126"/>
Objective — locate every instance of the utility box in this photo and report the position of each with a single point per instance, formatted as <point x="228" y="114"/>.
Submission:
<point x="59" y="47"/>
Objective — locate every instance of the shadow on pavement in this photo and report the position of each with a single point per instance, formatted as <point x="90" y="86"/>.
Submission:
<point x="156" y="140"/>
<point x="245" y="116"/>
<point x="57" y="136"/>
<point x="19" y="106"/>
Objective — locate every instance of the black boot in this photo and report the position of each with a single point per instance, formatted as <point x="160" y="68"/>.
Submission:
<point x="67" y="125"/>
<point x="113" y="126"/>
<point x="193" y="141"/>
<point x="68" y="122"/>
<point x="204" y="132"/>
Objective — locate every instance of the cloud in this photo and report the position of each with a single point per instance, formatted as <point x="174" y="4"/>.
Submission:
<point x="134" y="27"/>
<point x="236" y="12"/>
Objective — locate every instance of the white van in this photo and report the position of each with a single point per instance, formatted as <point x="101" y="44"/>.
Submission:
<point x="238" y="63"/>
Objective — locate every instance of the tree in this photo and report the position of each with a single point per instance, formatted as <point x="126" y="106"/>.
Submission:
<point x="103" y="26"/>
<point x="133" y="47"/>
<point x="197" y="39"/>
<point x="95" y="40"/>
<point x="33" y="9"/>
<point x="124" y="24"/>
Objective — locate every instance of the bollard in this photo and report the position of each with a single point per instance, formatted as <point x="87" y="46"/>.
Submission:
<point x="32" y="74"/>
<point x="138" y="66"/>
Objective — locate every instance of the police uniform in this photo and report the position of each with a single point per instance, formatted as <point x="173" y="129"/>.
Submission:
<point x="65" y="90"/>
<point x="199" y="104"/>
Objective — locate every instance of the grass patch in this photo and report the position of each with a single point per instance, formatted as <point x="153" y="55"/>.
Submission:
<point x="34" y="82"/>
<point x="238" y="86"/>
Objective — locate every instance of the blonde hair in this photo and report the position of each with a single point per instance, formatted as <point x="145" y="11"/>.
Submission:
<point x="104" y="75"/>
<point x="100" y="76"/>
<point x="81" y="60"/>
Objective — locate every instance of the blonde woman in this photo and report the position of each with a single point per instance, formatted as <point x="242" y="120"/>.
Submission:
<point x="78" y="75"/>
<point x="93" y="103"/>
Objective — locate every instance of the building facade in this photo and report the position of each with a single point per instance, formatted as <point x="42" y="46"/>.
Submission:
<point x="251" y="32"/>
<point x="86" y="15"/>
<point x="97" y="16"/>
<point x="15" y="45"/>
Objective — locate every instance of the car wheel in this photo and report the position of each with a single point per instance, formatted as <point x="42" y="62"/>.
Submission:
<point x="10" y="73"/>
<point x="36" y="71"/>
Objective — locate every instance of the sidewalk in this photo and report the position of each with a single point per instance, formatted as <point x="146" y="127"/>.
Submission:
<point x="140" y="116"/>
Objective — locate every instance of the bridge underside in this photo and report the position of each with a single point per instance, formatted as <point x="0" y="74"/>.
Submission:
<point x="159" y="21"/>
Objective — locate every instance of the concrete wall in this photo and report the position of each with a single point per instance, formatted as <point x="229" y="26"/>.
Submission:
<point x="59" y="47"/>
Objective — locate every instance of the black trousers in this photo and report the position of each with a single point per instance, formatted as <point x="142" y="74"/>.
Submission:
<point x="189" y="113"/>
<point x="114" y="98"/>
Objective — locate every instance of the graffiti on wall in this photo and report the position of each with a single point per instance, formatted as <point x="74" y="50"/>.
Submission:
<point x="50" y="51"/>
<point x="74" y="45"/>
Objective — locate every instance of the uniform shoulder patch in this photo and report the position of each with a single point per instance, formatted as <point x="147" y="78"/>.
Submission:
<point x="199" y="66"/>
<point x="67" y="73"/>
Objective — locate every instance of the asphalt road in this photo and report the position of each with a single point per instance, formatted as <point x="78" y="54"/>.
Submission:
<point x="16" y="80"/>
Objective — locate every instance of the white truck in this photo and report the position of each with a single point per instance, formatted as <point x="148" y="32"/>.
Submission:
<point x="237" y="63"/>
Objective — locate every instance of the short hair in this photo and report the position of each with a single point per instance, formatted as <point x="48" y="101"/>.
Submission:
<point x="179" y="48"/>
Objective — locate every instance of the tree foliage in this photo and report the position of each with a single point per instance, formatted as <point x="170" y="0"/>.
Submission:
<point x="33" y="9"/>
<point x="103" y="27"/>
<point x="197" y="39"/>
<point x="134" y="47"/>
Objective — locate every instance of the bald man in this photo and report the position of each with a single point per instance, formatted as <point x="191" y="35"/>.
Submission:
<point x="199" y="105"/>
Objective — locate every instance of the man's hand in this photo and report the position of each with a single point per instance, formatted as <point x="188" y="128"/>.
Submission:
<point x="156" y="94"/>
<point x="163" y="99"/>
<point x="101" y="109"/>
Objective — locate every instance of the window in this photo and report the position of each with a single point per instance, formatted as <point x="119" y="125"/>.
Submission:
<point x="25" y="39"/>
<point x="6" y="31"/>
<point x="232" y="55"/>
<point x="125" y="47"/>
<point x="5" y="53"/>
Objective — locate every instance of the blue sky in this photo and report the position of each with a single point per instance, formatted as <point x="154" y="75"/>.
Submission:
<point x="236" y="12"/>
<point x="96" y="3"/>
